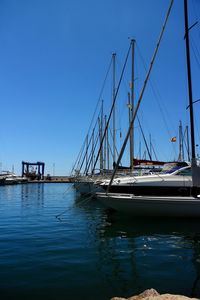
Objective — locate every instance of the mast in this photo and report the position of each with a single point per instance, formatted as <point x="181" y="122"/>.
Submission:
<point x="86" y="161"/>
<point x="189" y="82"/>
<point x="129" y="118"/>
<point x="150" y="145"/>
<point x="105" y="147"/>
<point x="187" y="143"/>
<point x="113" y="99"/>
<point x="132" y="105"/>
<point x="101" y="138"/>
<point x="195" y="168"/>
<point x="92" y="152"/>
<point x="181" y="154"/>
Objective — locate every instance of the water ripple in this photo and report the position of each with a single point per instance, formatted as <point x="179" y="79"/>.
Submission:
<point x="88" y="251"/>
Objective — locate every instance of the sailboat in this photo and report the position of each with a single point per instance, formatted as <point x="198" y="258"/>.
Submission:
<point x="86" y="184"/>
<point x="175" y="179"/>
<point x="164" y="206"/>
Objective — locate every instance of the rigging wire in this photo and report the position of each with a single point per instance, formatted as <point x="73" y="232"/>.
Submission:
<point x="84" y="201"/>
<point x="81" y="160"/>
<point x="97" y="105"/>
<point x="195" y="10"/>
<point x="141" y="94"/>
<point x="77" y="162"/>
<point x="92" y="154"/>
<point x="123" y="108"/>
<point x="157" y="97"/>
<point x="145" y="141"/>
<point x="113" y="104"/>
<point x="101" y="92"/>
<point x="196" y="51"/>
<point x="84" y="158"/>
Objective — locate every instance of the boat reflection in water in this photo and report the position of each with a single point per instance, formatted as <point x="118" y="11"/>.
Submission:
<point x="32" y="193"/>
<point x="134" y="254"/>
<point x="150" y="253"/>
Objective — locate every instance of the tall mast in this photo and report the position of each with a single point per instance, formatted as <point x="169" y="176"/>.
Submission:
<point x="86" y="160"/>
<point x="113" y="104"/>
<point x="105" y="147"/>
<point x="92" y="159"/>
<point x="107" y="144"/>
<point x="189" y="82"/>
<point x="132" y="105"/>
<point x="181" y="155"/>
<point x="187" y="143"/>
<point x="101" y="138"/>
<point x="130" y="118"/>
<point x="195" y="168"/>
<point x="113" y="99"/>
<point x="150" y="146"/>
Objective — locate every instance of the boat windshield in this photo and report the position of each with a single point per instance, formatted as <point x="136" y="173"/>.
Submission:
<point x="185" y="172"/>
<point x="172" y="167"/>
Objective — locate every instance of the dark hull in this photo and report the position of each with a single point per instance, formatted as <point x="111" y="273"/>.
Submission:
<point x="2" y="181"/>
<point x="150" y="190"/>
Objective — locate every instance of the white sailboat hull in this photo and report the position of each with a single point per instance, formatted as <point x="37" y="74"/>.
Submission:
<point x="86" y="188"/>
<point x="149" y="206"/>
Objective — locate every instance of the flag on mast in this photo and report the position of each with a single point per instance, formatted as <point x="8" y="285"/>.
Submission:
<point x="173" y="139"/>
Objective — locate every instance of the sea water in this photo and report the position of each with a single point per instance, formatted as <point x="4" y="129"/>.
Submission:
<point x="56" y="245"/>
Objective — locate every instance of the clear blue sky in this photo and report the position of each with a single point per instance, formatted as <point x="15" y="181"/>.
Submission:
<point x="53" y="60"/>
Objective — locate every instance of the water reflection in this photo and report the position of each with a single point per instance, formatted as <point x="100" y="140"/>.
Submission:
<point x="132" y="255"/>
<point x="145" y="253"/>
<point x="32" y="194"/>
<point x="117" y="223"/>
<point x="90" y="252"/>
